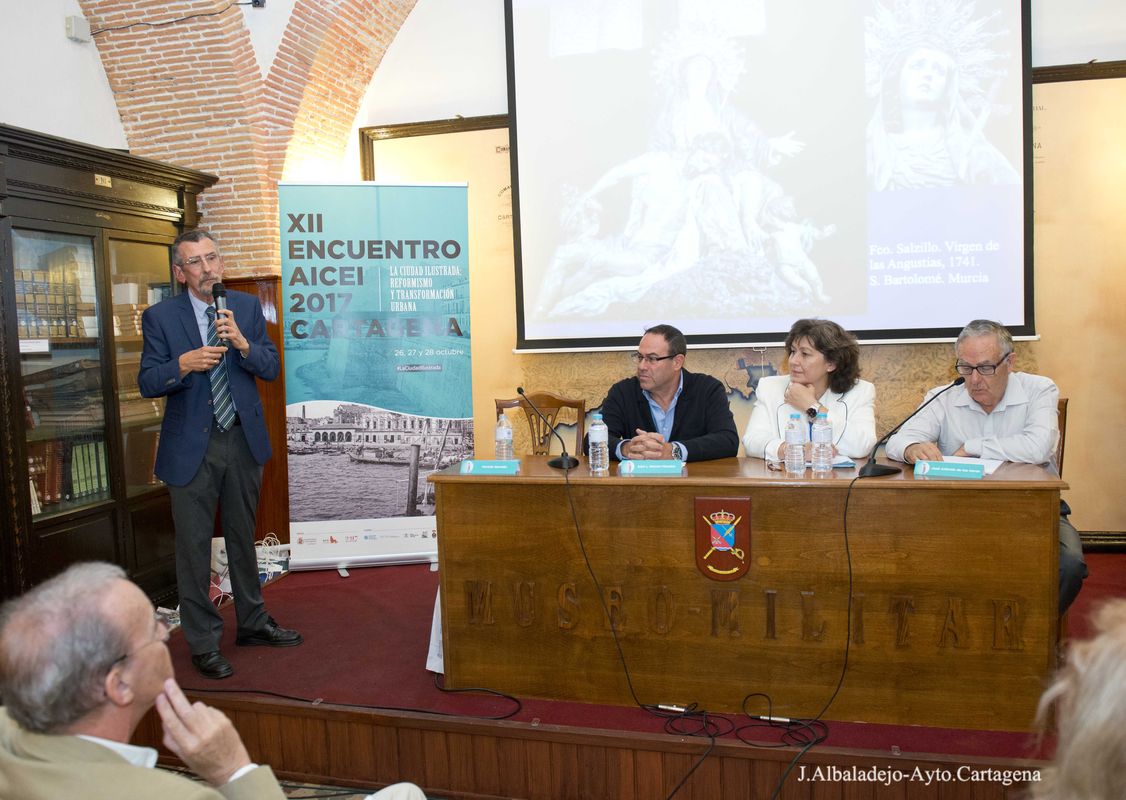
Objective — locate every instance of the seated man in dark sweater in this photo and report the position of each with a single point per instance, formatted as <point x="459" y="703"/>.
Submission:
<point x="666" y="411"/>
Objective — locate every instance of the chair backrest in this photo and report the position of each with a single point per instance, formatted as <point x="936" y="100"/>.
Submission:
<point x="550" y="405"/>
<point x="1063" y="434"/>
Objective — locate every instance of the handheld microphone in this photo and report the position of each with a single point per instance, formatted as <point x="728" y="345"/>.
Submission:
<point x="219" y="293"/>
<point x="874" y="470"/>
<point x="562" y="461"/>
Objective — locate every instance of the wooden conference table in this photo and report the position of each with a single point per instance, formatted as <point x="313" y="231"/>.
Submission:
<point x="954" y="590"/>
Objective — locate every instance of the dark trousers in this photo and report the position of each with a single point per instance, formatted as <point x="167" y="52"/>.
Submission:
<point x="1073" y="569"/>
<point x="229" y="478"/>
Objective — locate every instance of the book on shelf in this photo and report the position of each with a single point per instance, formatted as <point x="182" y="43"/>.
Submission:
<point x="36" y="508"/>
<point x="67" y="469"/>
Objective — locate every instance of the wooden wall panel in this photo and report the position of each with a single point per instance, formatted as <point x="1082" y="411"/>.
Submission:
<point x="486" y="760"/>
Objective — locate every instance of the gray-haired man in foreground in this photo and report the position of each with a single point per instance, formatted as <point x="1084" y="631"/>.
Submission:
<point x="83" y="658"/>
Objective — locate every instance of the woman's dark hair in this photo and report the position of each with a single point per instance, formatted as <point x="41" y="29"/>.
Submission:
<point x="835" y="343"/>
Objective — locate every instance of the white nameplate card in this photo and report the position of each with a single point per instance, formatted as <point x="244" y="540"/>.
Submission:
<point x="479" y="466"/>
<point x="949" y="469"/>
<point x="652" y="467"/>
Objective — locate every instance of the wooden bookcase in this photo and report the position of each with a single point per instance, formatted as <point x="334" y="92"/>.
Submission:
<point x="84" y="235"/>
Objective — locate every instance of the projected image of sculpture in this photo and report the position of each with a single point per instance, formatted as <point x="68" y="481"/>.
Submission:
<point x="701" y="219"/>
<point x="934" y="74"/>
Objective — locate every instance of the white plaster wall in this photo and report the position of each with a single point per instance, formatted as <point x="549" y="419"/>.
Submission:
<point x="266" y="27"/>
<point x="1077" y="31"/>
<point x="448" y="60"/>
<point x="50" y="83"/>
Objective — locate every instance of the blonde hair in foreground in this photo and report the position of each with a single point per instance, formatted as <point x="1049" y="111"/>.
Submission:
<point x="1089" y="700"/>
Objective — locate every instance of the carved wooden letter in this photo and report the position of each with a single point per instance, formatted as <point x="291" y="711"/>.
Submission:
<point x="614" y="599"/>
<point x="479" y="602"/>
<point x="771" y="613"/>
<point x="524" y="602"/>
<point x="662" y="611"/>
<point x="810" y="630"/>
<point x="955" y="630"/>
<point x="858" y="619"/>
<point x="901" y="606"/>
<point x="724" y="604"/>
<point x="1007" y="624"/>
<point x="568" y="610"/>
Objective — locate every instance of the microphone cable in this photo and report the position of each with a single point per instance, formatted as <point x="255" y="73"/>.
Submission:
<point x="806" y="733"/>
<point x="687" y="720"/>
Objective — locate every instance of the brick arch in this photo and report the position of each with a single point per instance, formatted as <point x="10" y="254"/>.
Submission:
<point x="191" y="94"/>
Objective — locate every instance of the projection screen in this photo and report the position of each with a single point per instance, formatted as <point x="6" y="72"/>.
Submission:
<point x="732" y="165"/>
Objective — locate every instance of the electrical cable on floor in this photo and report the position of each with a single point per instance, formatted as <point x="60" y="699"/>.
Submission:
<point x="705" y="723"/>
<point x="806" y="733"/>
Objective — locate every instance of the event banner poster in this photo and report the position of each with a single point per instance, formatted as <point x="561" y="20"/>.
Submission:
<point x="377" y="365"/>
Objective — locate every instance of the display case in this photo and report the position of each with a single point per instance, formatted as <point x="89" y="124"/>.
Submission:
<point x="84" y="235"/>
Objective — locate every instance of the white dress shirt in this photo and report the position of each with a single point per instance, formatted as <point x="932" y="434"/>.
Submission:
<point x="1023" y="427"/>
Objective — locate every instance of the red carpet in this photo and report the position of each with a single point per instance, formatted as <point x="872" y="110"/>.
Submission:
<point x="366" y="638"/>
<point x="1107" y="579"/>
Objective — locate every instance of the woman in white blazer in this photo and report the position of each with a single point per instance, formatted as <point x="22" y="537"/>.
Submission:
<point x="824" y="362"/>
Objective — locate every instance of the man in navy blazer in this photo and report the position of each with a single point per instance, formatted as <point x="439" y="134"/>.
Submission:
<point x="667" y="412"/>
<point x="204" y="465"/>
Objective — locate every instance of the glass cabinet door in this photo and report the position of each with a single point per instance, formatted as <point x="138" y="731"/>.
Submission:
<point x="139" y="277"/>
<point x="61" y="366"/>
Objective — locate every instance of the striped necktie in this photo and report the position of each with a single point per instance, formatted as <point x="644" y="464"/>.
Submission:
<point x="224" y="404"/>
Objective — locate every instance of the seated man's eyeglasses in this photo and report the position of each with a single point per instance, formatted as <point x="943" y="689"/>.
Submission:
<point x="195" y="261"/>
<point x="649" y="359"/>
<point x="163" y="632"/>
<point x="983" y="369"/>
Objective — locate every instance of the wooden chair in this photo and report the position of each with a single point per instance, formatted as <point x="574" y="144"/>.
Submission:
<point x="550" y="405"/>
<point x="1063" y="433"/>
<point x="1061" y="623"/>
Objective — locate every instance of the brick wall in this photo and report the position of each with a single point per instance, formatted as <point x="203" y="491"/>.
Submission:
<point x="191" y="93"/>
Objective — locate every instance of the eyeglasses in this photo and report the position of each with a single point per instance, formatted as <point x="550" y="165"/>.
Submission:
<point x="163" y="632"/>
<point x="983" y="369"/>
<point x="649" y="359"/>
<point x="195" y="261"/>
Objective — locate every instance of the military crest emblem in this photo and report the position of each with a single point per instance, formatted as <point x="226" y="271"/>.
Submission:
<point x="723" y="537"/>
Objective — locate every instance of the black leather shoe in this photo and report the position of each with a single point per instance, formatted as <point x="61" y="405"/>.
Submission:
<point x="272" y="635"/>
<point x="213" y="665"/>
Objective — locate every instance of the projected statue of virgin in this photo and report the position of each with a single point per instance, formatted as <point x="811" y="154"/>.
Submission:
<point x="929" y="68"/>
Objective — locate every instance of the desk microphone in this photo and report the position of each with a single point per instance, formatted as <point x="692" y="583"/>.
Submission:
<point x="874" y="470"/>
<point x="219" y="293"/>
<point x="562" y="461"/>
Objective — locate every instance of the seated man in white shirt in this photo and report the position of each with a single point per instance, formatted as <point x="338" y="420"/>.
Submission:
<point x="82" y="660"/>
<point x="997" y="414"/>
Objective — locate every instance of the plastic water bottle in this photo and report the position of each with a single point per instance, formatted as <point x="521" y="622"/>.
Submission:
<point x="503" y="439"/>
<point x="599" y="446"/>
<point x="822" y="436"/>
<point x="795" y="446"/>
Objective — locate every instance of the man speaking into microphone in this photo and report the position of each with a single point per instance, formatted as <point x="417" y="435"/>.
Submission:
<point x="997" y="414"/>
<point x="202" y="351"/>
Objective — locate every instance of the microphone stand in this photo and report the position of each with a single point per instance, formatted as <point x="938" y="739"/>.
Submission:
<point x="874" y="470"/>
<point x="562" y="461"/>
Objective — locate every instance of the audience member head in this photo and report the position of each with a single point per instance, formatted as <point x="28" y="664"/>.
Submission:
<point x="77" y="647"/>
<point x="839" y="351"/>
<point x="1088" y="699"/>
<point x="984" y="356"/>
